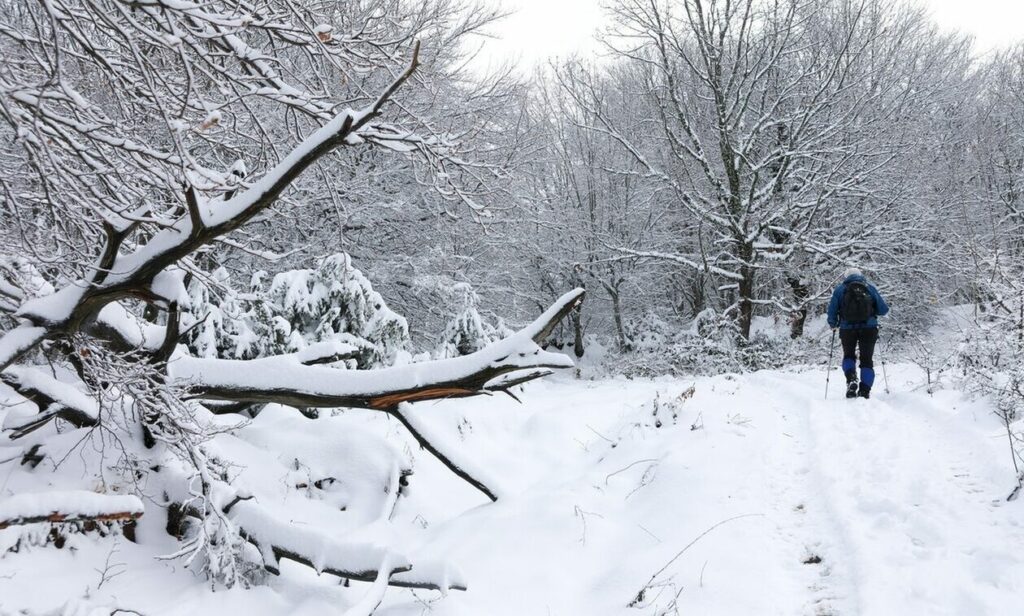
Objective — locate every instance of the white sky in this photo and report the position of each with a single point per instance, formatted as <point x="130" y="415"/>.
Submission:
<point x="994" y="23"/>
<point x="542" y="29"/>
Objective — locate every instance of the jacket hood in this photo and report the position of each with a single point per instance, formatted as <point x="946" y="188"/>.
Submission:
<point x="855" y="278"/>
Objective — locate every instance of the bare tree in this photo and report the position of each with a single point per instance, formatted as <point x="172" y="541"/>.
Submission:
<point x="776" y="117"/>
<point x="582" y="197"/>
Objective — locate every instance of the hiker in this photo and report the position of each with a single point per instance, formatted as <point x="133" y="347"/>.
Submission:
<point x="854" y="309"/>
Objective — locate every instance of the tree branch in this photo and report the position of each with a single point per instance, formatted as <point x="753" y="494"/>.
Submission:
<point x="277" y="539"/>
<point x="195" y="216"/>
<point x="285" y="380"/>
<point x="131" y="274"/>
<point x="451" y="465"/>
<point x="171" y="336"/>
<point x="54" y="399"/>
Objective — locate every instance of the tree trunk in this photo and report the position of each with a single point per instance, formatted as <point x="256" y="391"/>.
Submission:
<point x="699" y="299"/>
<point x="799" y="316"/>
<point x="746" y="290"/>
<point x="620" y="332"/>
<point x="577" y="326"/>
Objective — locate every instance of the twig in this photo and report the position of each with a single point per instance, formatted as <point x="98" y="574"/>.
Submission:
<point x="582" y="515"/>
<point x="655" y="537"/>
<point x="628" y="467"/>
<point x="645" y="479"/>
<point x="109" y="571"/>
<point x="640" y="593"/>
<point x="600" y="435"/>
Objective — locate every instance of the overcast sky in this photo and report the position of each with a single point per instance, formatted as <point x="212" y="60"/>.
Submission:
<point x="541" y="29"/>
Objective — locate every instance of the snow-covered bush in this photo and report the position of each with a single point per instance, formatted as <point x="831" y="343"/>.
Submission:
<point x="709" y="344"/>
<point x="332" y="303"/>
<point x="992" y="361"/>
<point x="468" y="332"/>
<point x="335" y="301"/>
<point x="204" y="319"/>
<point x="990" y="356"/>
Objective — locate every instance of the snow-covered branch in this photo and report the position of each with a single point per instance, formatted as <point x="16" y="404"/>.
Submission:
<point x="133" y="274"/>
<point x="278" y="539"/>
<point x="286" y="380"/>
<point x="54" y="399"/>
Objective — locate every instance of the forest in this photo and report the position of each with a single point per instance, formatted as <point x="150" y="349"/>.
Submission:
<point x="293" y="293"/>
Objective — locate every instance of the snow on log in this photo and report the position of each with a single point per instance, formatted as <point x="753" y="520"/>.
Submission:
<point x="277" y="539"/>
<point x="285" y="380"/>
<point x="430" y="575"/>
<point x="114" y="323"/>
<point x="327" y="352"/>
<point x="35" y="383"/>
<point x="68" y="506"/>
<point x="126" y="332"/>
<point x="22" y="426"/>
<point x="542" y="327"/>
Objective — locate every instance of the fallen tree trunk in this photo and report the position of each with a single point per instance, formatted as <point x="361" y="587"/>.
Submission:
<point x="69" y="506"/>
<point x="286" y="380"/>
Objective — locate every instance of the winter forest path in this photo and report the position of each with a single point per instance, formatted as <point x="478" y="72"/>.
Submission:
<point x="752" y="495"/>
<point x="916" y="486"/>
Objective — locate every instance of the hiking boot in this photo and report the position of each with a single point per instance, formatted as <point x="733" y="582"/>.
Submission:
<point x="851" y="389"/>
<point x="864" y="392"/>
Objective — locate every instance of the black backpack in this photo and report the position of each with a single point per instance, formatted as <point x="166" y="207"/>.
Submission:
<point x="857" y="305"/>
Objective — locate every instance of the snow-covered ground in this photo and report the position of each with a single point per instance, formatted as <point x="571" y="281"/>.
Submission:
<point x="748" y="494"/>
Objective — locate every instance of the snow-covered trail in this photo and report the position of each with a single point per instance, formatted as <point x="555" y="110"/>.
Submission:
<point x="811" y="506"/>
<point x="731" y="495"/>
<point x="918" y="489"/>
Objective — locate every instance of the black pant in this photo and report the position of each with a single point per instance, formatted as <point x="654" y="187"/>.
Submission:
<point x="851" y="339"/>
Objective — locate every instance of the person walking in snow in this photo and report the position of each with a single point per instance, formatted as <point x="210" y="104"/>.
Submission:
<point x="855" y="307"/>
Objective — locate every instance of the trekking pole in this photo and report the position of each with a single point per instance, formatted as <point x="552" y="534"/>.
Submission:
<point x="828" y="371"/>
<point x="881" y="360"/>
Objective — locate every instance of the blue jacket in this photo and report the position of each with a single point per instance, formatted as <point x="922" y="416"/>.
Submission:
<point x="881" y="308"/>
